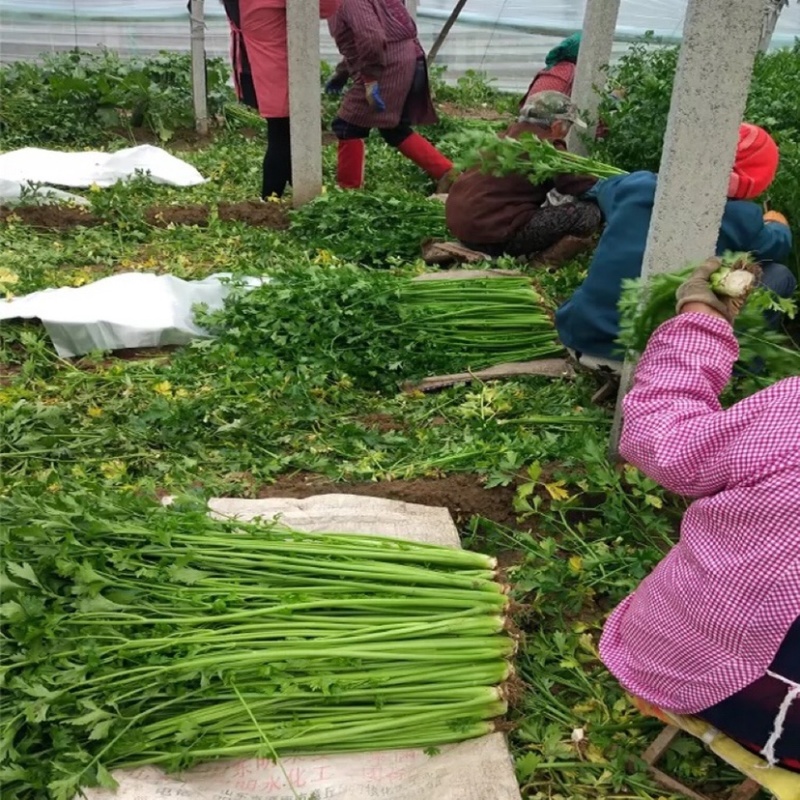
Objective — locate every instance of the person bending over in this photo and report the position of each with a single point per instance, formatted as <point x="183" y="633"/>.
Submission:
<point x="588" y="323"/>
<point x="509" y="215"/>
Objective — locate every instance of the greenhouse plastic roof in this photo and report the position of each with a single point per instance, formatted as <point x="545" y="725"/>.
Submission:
<point x="505" y="38"/>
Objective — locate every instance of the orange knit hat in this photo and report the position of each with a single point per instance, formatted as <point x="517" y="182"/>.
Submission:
<point x="755" y="165"/>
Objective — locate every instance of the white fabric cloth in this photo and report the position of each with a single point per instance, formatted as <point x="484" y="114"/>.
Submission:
<point x="132" y="309"/>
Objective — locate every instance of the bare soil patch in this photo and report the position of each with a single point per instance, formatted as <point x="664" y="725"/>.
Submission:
<point x="50" y="217"/>
<point x="60" y="218"/>
<point x="463" y="494"/>
<point x="184" y="139"/>
<point x="486" y="114"/>
<point x="256" y="213"/>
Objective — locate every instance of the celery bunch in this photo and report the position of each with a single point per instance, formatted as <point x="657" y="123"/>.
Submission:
<point x="529" y="155"/>
<point x="644" y="307"/>
<point x="137" y="634"/>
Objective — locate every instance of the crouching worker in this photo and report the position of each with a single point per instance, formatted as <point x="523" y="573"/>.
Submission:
<point x="588" y="323"/>
<point x="390" y="92"/>
<point x="714" y="630"/>
<point x="509" y="215"/>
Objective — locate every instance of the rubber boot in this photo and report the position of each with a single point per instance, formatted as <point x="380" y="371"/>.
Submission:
<point x="425" y="155"/>
<point x="350" y="163"/>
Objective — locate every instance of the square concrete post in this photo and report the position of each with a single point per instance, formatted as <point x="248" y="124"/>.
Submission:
<point x="720" y="42"/>
<point x="198" y="50"/>
<point x="305" y="103"/>
<point x="599" y="25"/>
<point x="772" y="11"/>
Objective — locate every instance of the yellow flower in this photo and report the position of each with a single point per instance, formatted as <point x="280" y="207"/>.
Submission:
<point x="8" y="277"/>
<point x="164" y="389"/>
<point x="113" y="470"/>
<point x="94" y="412"/>
<point x="94" y="188"/>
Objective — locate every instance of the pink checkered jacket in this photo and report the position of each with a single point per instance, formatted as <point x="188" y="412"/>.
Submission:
<point x="711" y="616"/>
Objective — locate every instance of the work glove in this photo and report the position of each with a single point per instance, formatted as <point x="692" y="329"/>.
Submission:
<point x="373" y="94"/>
<point x="336" y="83"/>
<point x="697" y="289"/>
<point x="775" y="216"/>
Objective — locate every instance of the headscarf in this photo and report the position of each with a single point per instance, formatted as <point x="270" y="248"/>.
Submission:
<point x="755" y="165"/>
<point x="566" y="51"/>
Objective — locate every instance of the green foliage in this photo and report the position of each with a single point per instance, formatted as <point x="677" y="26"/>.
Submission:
<point x="528" y="155"/>
<point x="373" y="228"/>
<point x="273" y="394"/>
<point x="77" y="97"/>
<point x="338" y="321"/>
<point x="472" y="90"/>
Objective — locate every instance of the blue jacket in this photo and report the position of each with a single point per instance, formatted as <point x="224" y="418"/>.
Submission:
<point x="589" y="321"/>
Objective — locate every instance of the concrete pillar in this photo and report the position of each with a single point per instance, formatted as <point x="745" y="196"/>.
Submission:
<point x="305" y="104"/>
<point x="198" y="50"/>
<point x="708" y="101"/>
<point x="599" y="24"/>
<point x="772" y="11"/>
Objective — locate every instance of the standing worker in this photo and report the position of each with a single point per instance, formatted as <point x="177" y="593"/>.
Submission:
<point x="259" y="54"/>
<point x="390" y="92"/>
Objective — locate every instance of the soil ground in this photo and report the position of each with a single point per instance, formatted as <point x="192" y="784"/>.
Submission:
<point x="59" y="218"/>
<point x="463" y="494"/>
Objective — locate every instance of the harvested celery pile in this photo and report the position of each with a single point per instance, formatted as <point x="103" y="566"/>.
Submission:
<point x="137" y="634"/>
<point x="483" y="321"/>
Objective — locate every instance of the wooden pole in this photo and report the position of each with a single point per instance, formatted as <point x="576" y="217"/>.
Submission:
<point x="199" y="91"/>
<point x="451" y="20"/>
<point x="708" y="101"/>
<point x="305" y="104"/>
<point x="599" y="25"/>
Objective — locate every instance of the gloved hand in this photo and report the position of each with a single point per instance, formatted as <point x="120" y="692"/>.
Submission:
<point x="697" y="289"/>
<point x="374" y="98"/>
<point x="336" y="83"/>
<point x="775" y="216"/>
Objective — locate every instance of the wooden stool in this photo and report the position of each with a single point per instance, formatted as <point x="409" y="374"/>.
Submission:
<point x="744" y="791"/>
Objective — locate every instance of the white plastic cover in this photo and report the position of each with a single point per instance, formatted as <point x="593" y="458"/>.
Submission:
<point x="122" y="311"/>
<point x="75" y="169"/>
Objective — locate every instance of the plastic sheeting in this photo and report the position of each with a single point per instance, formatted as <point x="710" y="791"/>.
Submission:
<point x="85" y="168"/>
<point x="122" y="311"/>
<point x="490" y="37"/>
